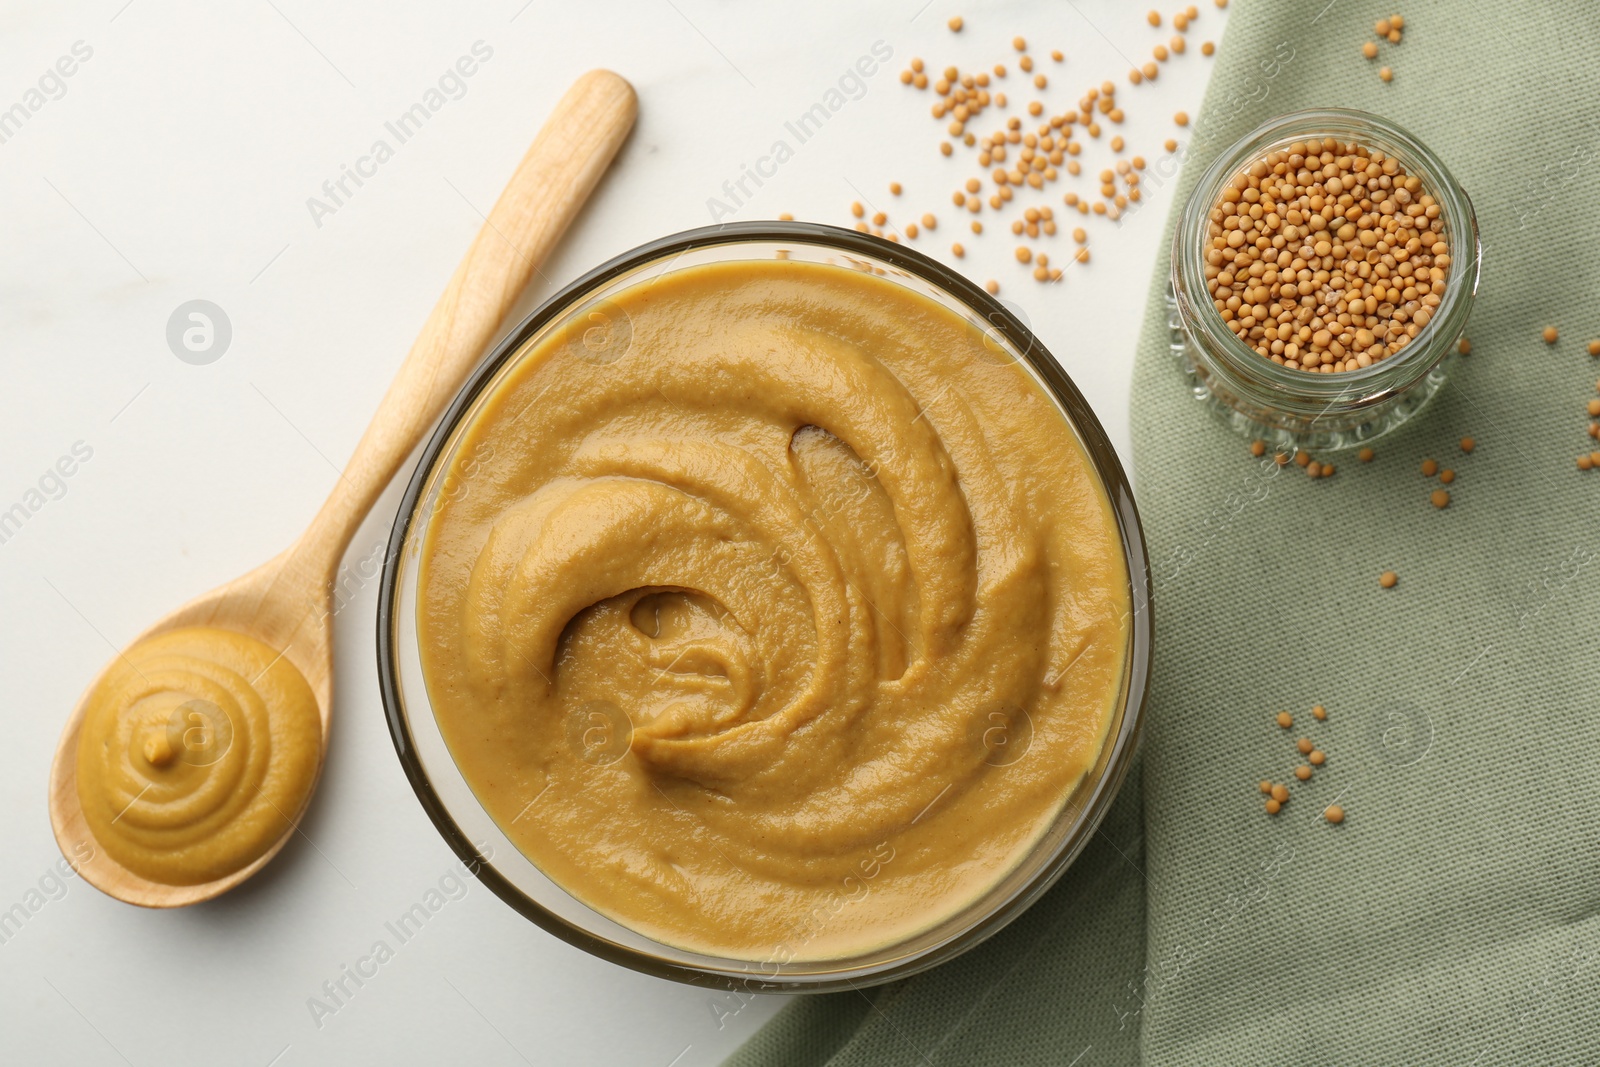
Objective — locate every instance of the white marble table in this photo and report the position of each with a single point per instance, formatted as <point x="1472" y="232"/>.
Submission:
<point x="176" y="162"/>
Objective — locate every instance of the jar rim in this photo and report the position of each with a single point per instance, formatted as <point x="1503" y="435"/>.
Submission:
<point x="1386" y="376"/>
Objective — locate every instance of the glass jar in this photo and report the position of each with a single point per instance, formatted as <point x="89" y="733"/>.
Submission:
<point x="1291" y="408"/>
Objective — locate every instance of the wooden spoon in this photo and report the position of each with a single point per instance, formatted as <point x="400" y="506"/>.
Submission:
<point x="287" y="603"/>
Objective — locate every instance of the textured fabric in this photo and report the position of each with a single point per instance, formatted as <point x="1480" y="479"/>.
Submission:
<point x="1452" y="917"/>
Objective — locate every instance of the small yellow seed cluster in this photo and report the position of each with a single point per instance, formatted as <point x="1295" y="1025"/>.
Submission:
<point x="1325" y="256"/>
<point x="1016" y="159"/>
<point x="1440" y="498"/>
<point x="1593" y="409"/>
<point x="1388" y="29"/>
<point x="1277" y="794"/>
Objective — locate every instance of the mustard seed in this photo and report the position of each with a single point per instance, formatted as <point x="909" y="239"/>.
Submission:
<point x="1170" y="145"/>
<point x="1550" y="334"/>
<point x="1177" y="44"/>
<point x="1280" y="793"/>
<point x="1319" y="713"/>
<point x="1302" y="772"/>
<point x="1258" y="448"/>
<point x="957" y="251"/>
<point x="1381" y="28"/>
<point x="1447" y="476"/>
<point x="1464" y="346"/>
<point x="1274" y="806"/>
<point x="1386" y="74"/>
<point x="1365" y="455"/>
<point x="1388" y="579"/>
<point x="894" y="188"/>
<point x="1285" y="720"/>
<point x="1319" y="220"/>
<point x="1440" y="498"/>
<point x="1055" y="54"/>
<point x="1150" y="71"/>
<point x="1302" y="458"/>
<point x="993" y="287"/>
<point x="1313" y="469"/>
<point x="1468" y="444"/>
<point x="1208" y="49"/>
<point x="1160" y="52"/>
<point x="1154" y="18"/>
<point x="1316" y="757"/>
<point x="1304" y="745"/>
<point x="1181" y="118"/>
<point x="1370" y="50"/>
<point x="1594" y="408"/>
<point x="1180" y="22"/>
<point x="1024" y="254"/>
<point x="857" y="210"/>
<point x="1334" y="814"/>
<point x="1019" y="44"/>
<point x="1430" y="467"/>
<point x="784" y="216"/>
<point x="1594" y="348"/>
<point x="956" y="24"/>
<point x="1266" y="787"/>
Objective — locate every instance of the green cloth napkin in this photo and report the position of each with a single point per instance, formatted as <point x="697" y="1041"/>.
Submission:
<point x="1452" y="918"/>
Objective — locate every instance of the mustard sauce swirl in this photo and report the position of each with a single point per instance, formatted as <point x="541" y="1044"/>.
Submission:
<point x="782" y="616"/>
<point x="197" y="751"/>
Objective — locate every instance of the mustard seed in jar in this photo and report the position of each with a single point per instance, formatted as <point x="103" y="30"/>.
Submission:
<point x="1347" y="228"/>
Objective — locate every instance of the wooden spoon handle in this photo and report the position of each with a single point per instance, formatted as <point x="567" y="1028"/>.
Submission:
<point x="552" y="182"/>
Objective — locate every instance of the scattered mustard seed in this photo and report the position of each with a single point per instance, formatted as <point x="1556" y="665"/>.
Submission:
<point x="1316" y="757"/>
<point x="1464" y="346"/>
<point x="1447" y="476"/>
<point x="1594" y="348"/>
<point x="956" y="24"/>
<point x="1370" y="50"/>
<point x="1207" y="49"/>
<point x="784" y="216"/>
<point x="1055" y="54"/>
<point x="1319" y="713"/>
<point x="1280" y="793"/>
<point x="1365" y="455"/>
<point x="1468" y="444"/>
<point x="1381" y="28"/>
<point x="857" y="210"/>
<point x="1285" y="720"/>
<point x="894" y="188"/>
<point x="1302" y="459"/>
<point x="1304" y="745"/>
<point x="1430" y="467"/>
<point x="1440" y="498"/>
<point x="1258" y="448"/>
<point x="1388" y="579"/>
<point x="1274" y="806"/>
<point x="1019" y="44"/>
<point x="1266" y="787"/>
<point x="957" y="251"/>
<point x="1594" y="408"/>
<point x="1302" y="772"/>
<point x="1584" y="463"/>
<point x="1181" y="118"/>
<point x="1154" y="18"/>
<point x="1550" y="334"/>
<point x="1386" y="74"/>
<point x="993" y="287"/>
<point x="1170" y="145"/>
<point x="1334" y="814"/>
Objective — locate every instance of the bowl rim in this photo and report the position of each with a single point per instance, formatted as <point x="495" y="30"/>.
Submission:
<point x="1120" y="749"/>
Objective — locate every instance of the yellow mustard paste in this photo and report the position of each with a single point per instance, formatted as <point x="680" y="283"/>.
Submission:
<point x="197" y="751"/>
<point x="773" y="612"/>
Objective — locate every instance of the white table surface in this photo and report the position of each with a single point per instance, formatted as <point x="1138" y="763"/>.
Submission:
<point x="176" y="165"/>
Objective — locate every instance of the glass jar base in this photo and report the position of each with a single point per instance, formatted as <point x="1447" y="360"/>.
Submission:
<point x="1331" y="431"/>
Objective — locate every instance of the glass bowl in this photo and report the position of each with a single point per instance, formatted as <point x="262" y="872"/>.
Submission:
<point x="490" y="854"/>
